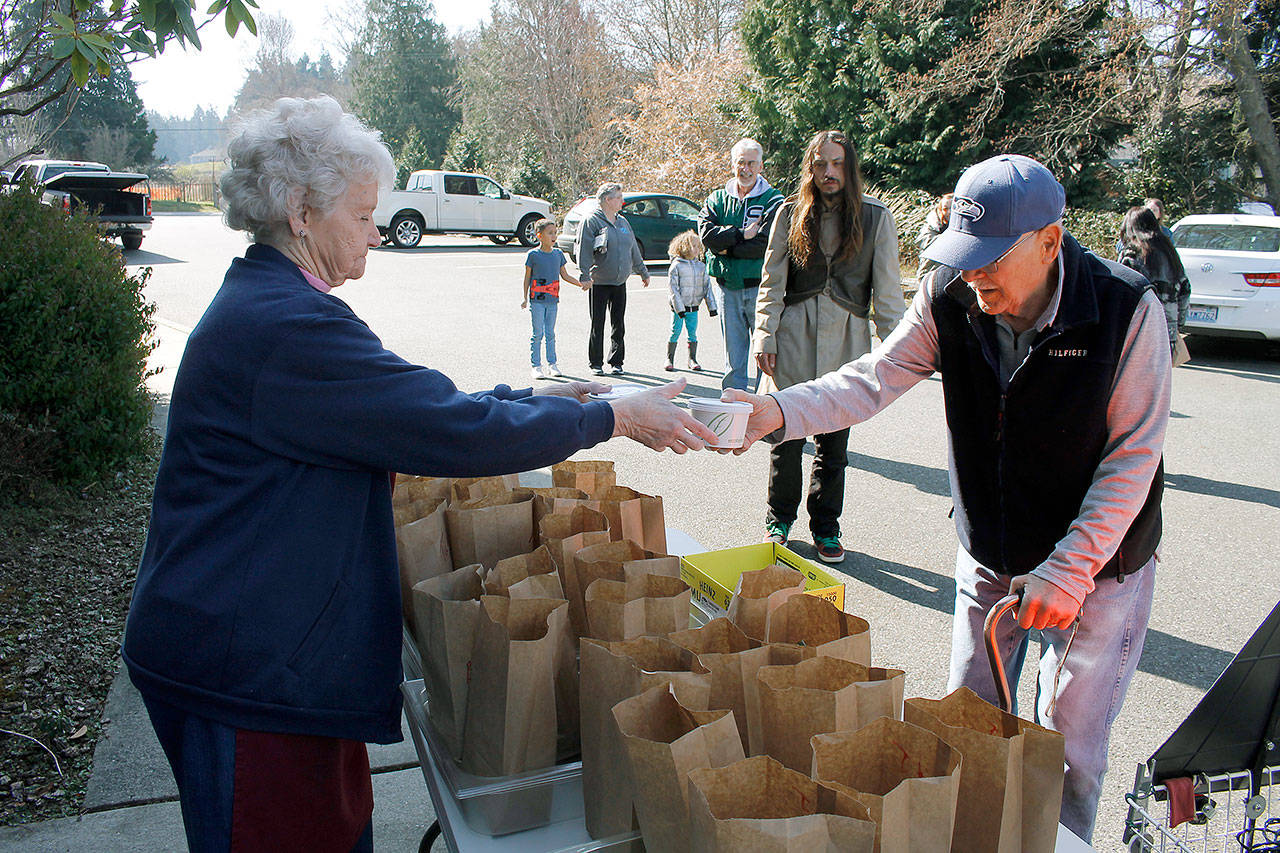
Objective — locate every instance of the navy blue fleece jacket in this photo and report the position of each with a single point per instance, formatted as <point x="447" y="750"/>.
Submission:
<point x="267" y="597"/>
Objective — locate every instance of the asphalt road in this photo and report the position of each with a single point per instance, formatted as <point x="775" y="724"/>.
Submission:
<point x="453" y="304"/>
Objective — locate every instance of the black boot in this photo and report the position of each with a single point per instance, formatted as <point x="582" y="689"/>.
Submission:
<point x="693" y="356"/>
<point x="671" y="355"/>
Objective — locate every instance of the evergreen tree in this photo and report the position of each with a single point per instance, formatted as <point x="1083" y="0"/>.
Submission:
<point x="925" y="89"/>
<point x="412" y="156"/>
<point x="107" y="108"/>
<point x="403" y="77"/>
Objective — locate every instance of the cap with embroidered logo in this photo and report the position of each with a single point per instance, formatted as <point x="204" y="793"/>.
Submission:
<point x="996" y="202"/>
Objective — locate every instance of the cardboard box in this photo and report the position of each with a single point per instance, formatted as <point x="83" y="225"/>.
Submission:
<point x="713" y="575"/>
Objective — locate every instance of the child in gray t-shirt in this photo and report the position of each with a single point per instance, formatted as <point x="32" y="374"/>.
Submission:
<point x="544" y="267"/>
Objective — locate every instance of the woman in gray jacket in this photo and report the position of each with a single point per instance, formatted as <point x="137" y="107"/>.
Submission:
<point x="607" y="255"/>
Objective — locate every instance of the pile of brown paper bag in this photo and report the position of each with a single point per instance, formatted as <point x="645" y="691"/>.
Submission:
<point x="551" y="621"/>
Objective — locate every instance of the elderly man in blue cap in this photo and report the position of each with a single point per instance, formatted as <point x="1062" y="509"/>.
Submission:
<point x="1055" y="376"/>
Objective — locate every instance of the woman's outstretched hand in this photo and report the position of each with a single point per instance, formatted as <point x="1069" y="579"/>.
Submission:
<point x="653" y="420"/>
<point x="576" y="390"/>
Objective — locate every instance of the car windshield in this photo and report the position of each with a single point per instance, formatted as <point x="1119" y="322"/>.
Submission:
<point x="1228" y="236"/>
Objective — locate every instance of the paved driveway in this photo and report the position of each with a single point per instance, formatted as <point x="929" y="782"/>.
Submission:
<point x="453" y="304"/>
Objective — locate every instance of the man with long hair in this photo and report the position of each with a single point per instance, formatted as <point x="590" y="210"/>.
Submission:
<point x="830" y="269"/>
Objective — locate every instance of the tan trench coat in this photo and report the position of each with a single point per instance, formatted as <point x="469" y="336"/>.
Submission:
<point x="818" y="335"/>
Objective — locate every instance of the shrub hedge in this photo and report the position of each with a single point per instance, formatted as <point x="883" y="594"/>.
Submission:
<point x="75" y="333"/>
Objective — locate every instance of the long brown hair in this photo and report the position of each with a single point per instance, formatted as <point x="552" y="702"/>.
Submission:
<point x="802" y="236"/>
<point x="1141" y="231"/>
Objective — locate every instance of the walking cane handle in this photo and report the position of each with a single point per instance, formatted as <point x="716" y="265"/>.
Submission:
<point x="1009" y="602"/>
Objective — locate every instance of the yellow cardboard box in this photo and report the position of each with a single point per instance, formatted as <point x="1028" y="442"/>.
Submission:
<point x="713" y="575"/>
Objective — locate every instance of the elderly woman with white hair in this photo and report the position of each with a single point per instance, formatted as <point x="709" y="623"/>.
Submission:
<point x="264" y="631"/>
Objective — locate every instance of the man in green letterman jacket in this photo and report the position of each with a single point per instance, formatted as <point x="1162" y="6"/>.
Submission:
<point x="734" y="226"/>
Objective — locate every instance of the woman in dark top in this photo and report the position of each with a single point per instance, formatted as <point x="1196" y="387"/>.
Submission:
<point x="264" y="630"/>
<point x="1146" y="248"/>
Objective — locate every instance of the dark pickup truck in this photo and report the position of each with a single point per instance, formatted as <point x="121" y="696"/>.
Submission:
<point x="73" y="185"/>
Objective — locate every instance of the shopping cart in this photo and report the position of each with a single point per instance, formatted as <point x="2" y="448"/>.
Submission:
<point x="1210" y="787"/>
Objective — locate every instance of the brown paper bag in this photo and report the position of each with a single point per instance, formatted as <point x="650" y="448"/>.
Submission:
<point x="589" y="476"/>
<point x="643" y="605"/>
<point x="821" y="695"/>
<point x="610" y="561"/>
<point x="445" y="612"/>
<point x="511" y="570"/>
<point x="1010" y="776"/>
<point x="411" y="511"/>
<point x="759" y="592"/>
<point x="760" y="806"/>
<point x="463" y="489"/>
<point x="610" y="673"/>
<point x="488" y="529"/>
<point x="422" y="549"/>
<point x="521" y="685"/>
<point x="906" y="777"/>
<point x="733" y="660"/>
<point x="537" y="586"/>
<point x="565" y="534"/>
<point x="818" y="624"/>
<point x="634" y="516"/>
<point x="1181" y="355"/>
<point x="664" y="741"/>
<point x="557" y="499"/>
<point x="410" y="489"/>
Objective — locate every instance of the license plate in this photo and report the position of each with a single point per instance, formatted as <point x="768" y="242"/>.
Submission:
<point x="1202" y="313"/>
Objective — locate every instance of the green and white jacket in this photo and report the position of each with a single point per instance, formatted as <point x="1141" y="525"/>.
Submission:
<point x="730" y="258"/>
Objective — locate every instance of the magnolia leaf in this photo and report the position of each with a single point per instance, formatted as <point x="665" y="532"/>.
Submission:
<point x="217" y="7"/>
<point x="147" y="12"/>
<point x="63" y="22"/>
<point x="63" y="46"/>
<point x="79" y="68"/>
<point x="249" y="23"/>
<point x="96" y="40"/>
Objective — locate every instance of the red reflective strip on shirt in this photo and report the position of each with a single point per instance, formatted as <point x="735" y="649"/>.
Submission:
<point x="299" y="792"/>
<point x="550" y="288"/>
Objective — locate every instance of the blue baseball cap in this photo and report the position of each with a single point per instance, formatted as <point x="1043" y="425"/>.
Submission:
<point x="996" y="202"/>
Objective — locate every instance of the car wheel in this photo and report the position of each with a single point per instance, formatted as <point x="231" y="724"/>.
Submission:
<point x="131" y="242"/>
<point x="406" y="231"/>
<point x="527" y="230"/>
<point x="500" y="239"/>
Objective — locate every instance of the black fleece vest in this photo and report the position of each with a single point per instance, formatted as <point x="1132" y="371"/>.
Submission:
<point x="1026" y="456"/>
<point x="846" y="282"/>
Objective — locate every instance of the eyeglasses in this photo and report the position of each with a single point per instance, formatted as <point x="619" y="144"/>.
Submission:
<point x="991" y="268"/>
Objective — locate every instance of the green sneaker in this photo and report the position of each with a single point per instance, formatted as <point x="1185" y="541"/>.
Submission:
<point x="777" y="532"/>
<point x="829" y="548"/>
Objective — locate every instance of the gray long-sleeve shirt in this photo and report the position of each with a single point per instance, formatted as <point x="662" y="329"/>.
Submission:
<point x="1137" y="416"/>
<point x="621" y="255"/>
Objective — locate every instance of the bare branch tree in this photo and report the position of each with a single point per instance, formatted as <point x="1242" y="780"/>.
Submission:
<point x="671" y="32"/>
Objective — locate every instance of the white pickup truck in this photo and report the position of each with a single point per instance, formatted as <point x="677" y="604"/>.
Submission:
<point x="435" y="202"/>
<point x="110" y="197"/>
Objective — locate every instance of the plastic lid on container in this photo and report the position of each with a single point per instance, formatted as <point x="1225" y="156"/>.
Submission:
<point x="622" y="389"/>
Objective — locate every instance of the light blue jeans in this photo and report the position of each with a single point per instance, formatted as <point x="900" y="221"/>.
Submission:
<point x="689" y="322"/>
<point x="1094" y="679"/>
<point x="543" y="313"/>
<point x="737" y="321"/>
